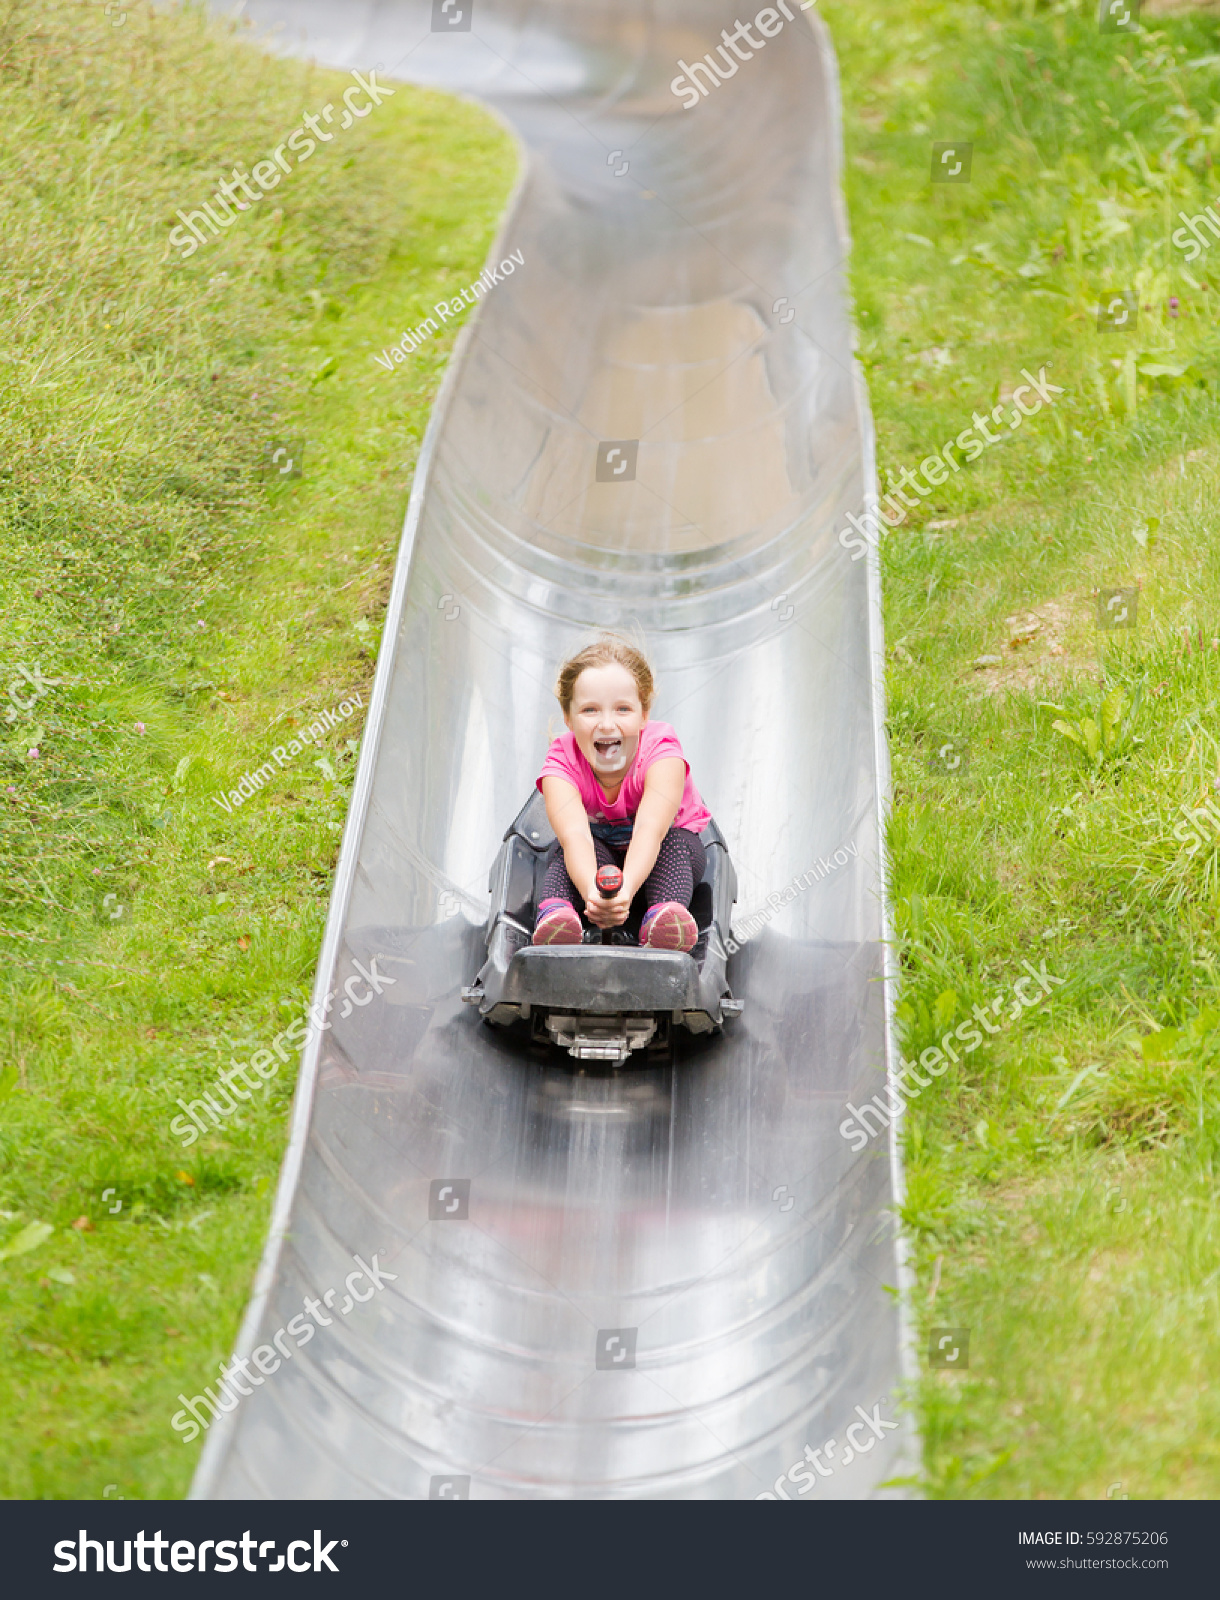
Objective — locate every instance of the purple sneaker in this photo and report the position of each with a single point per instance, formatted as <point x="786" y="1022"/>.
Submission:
<point x="558" y="923"/>
<point x="669" y="926"/>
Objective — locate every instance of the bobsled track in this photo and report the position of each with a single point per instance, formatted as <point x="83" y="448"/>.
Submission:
<point x="680" y="282"/>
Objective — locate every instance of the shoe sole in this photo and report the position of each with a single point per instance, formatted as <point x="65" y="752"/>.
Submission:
<point x="671" y="930"/>
<point x="560" y="930"/>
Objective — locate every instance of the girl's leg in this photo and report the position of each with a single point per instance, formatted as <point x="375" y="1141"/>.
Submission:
<point x="680" y="865"/>
<point x="556" y="884"/>
<point x="668" y="924"/>
<point x="559" y="904"/>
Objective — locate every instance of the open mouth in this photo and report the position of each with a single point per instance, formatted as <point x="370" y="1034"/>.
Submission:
<point x="609" y="751"/>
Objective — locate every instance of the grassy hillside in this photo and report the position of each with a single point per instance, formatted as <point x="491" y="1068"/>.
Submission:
<point x="170" y="611"/>
<point x="1063" y="1175"/>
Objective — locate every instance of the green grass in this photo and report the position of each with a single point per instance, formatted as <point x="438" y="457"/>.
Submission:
<point x="181" y="614"/>
<point x="1062" y="1180"/>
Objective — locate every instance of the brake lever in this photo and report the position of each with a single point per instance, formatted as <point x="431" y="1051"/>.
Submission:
<point x="609" y="881"/>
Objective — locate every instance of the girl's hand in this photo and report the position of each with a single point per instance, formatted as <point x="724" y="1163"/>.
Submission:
<point x="612" y="911"/>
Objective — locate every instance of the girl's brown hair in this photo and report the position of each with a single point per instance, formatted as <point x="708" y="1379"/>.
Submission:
<point x="609" y="648"/>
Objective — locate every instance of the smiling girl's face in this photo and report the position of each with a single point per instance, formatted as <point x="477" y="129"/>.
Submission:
<point x="606" y="717"/>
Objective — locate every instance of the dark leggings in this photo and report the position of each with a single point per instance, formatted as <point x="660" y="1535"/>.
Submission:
<point x="679" y="867"/>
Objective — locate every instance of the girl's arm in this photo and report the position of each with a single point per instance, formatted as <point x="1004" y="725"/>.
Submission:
<point x="663" y="785"/>
<point x="566" y="814"/>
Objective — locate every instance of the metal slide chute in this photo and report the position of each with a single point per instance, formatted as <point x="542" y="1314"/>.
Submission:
<point x="670" y="1280"/>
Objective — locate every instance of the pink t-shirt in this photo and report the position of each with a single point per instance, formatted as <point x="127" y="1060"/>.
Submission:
<point x="657" y="740"/>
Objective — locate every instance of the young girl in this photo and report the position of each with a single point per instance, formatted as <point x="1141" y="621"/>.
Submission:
<point x="618" y="793"/>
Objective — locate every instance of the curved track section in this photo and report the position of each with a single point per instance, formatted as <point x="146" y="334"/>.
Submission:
<point x="680" y="284"/>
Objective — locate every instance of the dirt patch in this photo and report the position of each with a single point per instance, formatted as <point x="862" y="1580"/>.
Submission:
<point x="1169" y="8"/>
<point x="1174" y="469"/>
<point x="1040" y="648"/>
